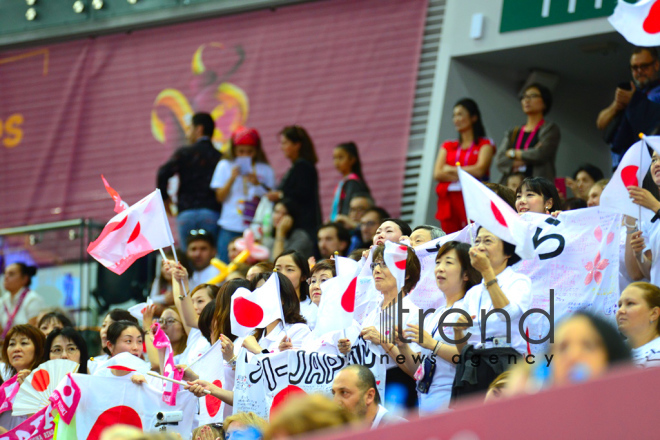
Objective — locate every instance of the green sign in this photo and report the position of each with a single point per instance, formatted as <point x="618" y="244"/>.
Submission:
<point x="527" y="14"/>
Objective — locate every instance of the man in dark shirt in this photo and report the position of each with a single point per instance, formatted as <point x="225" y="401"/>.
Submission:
<point x="195" y="164"/>
<point x="636" y="110"/>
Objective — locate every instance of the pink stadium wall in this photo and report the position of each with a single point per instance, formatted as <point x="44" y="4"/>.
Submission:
<point x="116" y="105"/>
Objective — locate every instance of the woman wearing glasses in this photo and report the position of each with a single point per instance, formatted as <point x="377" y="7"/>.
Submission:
<point x="474" y="151"/>
<point x="532" y="148"/>
<point x="67" y="343"/>
<point x="379" y="326"/>
<point x="301" y="181"/>
<point x="170" y="322"/>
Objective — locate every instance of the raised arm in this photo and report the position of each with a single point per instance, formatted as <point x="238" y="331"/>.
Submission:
<point x="179" y="296"/>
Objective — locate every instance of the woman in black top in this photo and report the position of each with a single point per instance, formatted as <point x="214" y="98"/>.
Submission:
<point x="301" y="181"/>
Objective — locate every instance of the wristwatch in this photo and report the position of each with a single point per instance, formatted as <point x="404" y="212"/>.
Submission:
<point x="490" y="283"/>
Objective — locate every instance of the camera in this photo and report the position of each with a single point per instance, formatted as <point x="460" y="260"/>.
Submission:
<point x="169" y="417"/>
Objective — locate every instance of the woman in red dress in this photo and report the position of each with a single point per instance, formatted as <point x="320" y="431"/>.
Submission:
<point x="473" y="151"/>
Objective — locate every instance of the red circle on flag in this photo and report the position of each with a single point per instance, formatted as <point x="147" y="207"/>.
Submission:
<point x="652" y="21"/>
<point x="135" y="233"/>
<point x="213" y="403"/>
<point x="348" y="298"/>
<point x="629" y="176"/>
<point x="498" y="215"/>
<point x="247" y="313"/>
<point x="283" y="396"/>
<point x="67" y="391"/>
<point x="41" y="380"/>
<point x="120" y="224"/>
<point x="124" y="415"/>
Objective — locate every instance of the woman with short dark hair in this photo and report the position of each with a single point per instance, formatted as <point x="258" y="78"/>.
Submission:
<point x="502" y="289"/>
<point x="379" y="325"/>
<point x="532" y="148"/>
<point x="454" y="277"/>
<point x="22" y="352"/>
<point x="537" y="194"/>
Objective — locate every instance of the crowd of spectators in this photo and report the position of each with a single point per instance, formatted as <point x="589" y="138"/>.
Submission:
<point x="221" y="197"/>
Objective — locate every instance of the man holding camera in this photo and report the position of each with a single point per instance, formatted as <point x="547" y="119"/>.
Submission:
<point x="636" y="107"/>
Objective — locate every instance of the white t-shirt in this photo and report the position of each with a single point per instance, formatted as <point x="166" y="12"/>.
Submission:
<point x="439" y="395"/>
<point x="651" y="234"/>
<point x="383" y="417"/>
<point x="32" y="305"/>
<point x="5" y="372"/>
<point x="518" y="290"/>
<point x="94" y="362"/>
<point x="202" y="276"/>
<point x="298" y="333"/>
<point x="648" y="355"/>
<point x="309" y="311"/>
<point x="196" y="346"/>
<point x="231" y="217"/>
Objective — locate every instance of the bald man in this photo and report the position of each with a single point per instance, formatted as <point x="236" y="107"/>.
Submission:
<point x="355" y="389"/>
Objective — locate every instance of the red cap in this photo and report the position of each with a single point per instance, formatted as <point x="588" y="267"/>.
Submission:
<point x="245" y="136"/>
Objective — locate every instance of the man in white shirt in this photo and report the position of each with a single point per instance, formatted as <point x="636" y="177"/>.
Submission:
<point x="200" y="252"/>
<point x="354" y="389"/>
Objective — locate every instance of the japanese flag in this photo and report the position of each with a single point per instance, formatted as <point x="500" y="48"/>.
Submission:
<point x="250" y="310"/>
<point x="133" y="233"/>
<point x="639" y="23"/>
<point x="487" y="209"/>
<point x="210" y="367"/>
<point x="338" y="298"/>
<point x="108" y="401"/>
<point x="395" y="258"/>
<point x="126" y="362"/>
<point x="630" y="172"/>
<point x="65" y="398"/>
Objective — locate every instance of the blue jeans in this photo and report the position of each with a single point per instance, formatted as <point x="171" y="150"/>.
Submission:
<point x="224" y="237"/>
<point x="190" y="219"/>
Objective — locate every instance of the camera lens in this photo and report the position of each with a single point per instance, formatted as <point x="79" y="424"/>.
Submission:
<point x="160" y="416"/>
